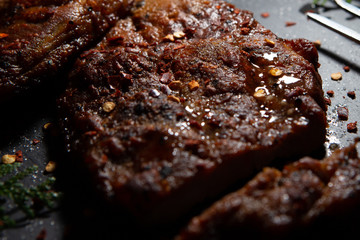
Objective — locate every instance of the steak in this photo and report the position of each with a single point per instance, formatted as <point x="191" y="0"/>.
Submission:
<point x="183" y="98"/>
<point x="278" y="202"/>
<point x="39" y="39"/>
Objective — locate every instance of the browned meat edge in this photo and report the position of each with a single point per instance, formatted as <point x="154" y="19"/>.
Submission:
<point x="276" y="203"/>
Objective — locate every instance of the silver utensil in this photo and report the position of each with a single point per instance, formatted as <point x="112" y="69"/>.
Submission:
<point x="335" y="26"/>
<point x="349" y="7"/>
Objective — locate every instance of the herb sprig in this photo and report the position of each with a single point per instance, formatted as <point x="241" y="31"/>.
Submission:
<point x="28" y="200"/>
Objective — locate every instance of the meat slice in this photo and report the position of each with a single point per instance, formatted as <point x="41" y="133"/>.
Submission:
<point x="38" y="39"/>
<point x="275" y="202"/>
<point x="183" y="98"/>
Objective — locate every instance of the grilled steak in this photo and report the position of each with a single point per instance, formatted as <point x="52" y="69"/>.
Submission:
<point x="183" y="98"/>
<point x="38" y="39"/>
<point x="277" y="202"/>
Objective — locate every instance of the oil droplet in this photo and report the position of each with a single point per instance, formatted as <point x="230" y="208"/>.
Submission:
<point x="302" y="121"/>
<point x="270" y="56"/>
<point x="188" y="109"/>
<point x="288" y="80"/>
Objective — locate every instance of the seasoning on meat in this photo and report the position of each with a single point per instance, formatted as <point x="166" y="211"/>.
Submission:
<point x="193" y="85"/>
<point x="108" y="106"/>
<point x="3" y="35"/>
<point x="166" y="147"/>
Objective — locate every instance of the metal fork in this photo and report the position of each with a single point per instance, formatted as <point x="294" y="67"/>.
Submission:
<point x="349" y="7"/>
<point x="336" y="26"/>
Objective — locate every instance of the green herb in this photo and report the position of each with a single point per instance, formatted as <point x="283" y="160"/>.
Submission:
<point x="28" y="200"/>
<point x="324" y="1"/>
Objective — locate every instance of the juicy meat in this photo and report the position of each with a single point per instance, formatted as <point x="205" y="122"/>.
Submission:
<point x="183" y="98"/>
<point x="38" y="39"/>
<point x="278" y="202"/>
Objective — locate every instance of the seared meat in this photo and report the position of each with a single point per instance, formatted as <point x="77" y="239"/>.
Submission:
<point x="183" y="98"/>
<point x="38" y="39"/>
<point x="278" y="202"/>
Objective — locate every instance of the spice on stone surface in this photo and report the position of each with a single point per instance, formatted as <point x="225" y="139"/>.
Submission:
<point x="352" y="127"/>
<point x="343" y="113"/>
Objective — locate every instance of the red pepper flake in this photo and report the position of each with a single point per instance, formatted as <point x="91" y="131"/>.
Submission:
<point x="289" y="24"/>
<point x="352" y="127"/>
<point x="327" y="101"/>
<point x="218" y="7"/>
<point x="214" y="122"/>
<point x="245" y="30"/>
<point x="195" y="124"/>
<point x="330" y="93"/>
<point x="237" y="11"/>
<point x="269" y="43"/>
<point x="343" y="113"/>
<point x="115" y="40"/>
<point x="180" y="115"/>
<point x="19" y="156"/>
<point x="35" y="141"/>
<point x="265" y="15"/>
<point x="347" y="69"/>
<point x="41" y="235"/>
<point x="3" y="35"/>
<point x="104" y="159"/>
<point x="351" y="94"/>
<point x="90" y="133"/>
<point x="192" y="144"/>
<point x="179" y="47"/>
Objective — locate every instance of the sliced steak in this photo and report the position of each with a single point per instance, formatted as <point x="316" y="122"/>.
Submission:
<point x="276" y="203"/>
<point x="38" y="39"/>
<point x="183" y="98"/>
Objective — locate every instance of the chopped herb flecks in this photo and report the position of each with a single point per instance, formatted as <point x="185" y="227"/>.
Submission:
<point x="28" y="200"/>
